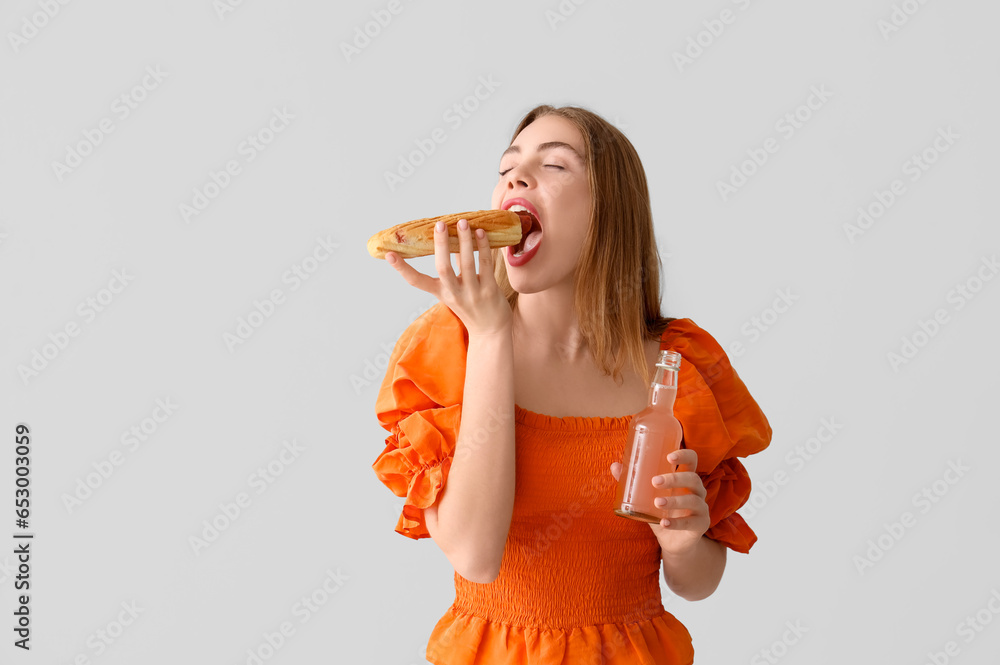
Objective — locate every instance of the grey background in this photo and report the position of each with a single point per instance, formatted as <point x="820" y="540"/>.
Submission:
<point x="301" y="375"/>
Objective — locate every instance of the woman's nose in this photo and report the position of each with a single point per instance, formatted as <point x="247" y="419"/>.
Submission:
<point x="517" y="181"/>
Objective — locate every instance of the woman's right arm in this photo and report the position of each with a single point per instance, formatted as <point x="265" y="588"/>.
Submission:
<point x="472" y="515"/>
<point x="471" y="518"/>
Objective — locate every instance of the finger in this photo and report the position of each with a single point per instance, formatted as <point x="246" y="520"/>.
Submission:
<point x="680" y="505"/>
<point x="681" y="482"/>
<point x="466" y="253"/>
<point x="683" y="456"/>
<point x="685" y="459"/>
<point x="485" y="253"/>
<point x="412" y="276"/>
<point x="442" y="255"/>
<point x="674" y="515"/>
<point x="679" y="523"/>
<point x="687" y="482"/>
<point x="663" y="480"/>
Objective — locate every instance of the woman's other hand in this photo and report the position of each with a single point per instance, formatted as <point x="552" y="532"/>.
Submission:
<point x="687" y="517"/>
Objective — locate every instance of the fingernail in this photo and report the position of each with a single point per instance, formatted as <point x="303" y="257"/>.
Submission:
<point x="480" y="233"/>
<point x="391" y="259"/>
<point x="439" y="226"/>
<point x="657" y="480"/>
<point x="463" y="224"/>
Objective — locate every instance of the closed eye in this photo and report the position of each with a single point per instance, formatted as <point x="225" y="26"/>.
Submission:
<point x="554" y="166"/>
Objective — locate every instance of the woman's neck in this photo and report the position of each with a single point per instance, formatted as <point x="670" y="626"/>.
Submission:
<point x="546" y="323"/>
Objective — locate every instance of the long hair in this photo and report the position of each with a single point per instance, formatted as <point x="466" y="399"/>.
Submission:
<point x="617" y="278"/>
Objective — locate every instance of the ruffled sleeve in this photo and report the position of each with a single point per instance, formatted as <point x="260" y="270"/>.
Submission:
<point x="722" y="422"/>
<point x="420" y="405"/>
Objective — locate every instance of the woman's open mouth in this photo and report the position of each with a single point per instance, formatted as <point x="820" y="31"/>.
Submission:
<point x="531" y="237"/>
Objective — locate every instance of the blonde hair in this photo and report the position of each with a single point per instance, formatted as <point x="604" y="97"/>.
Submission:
<point x="617" y="279"/>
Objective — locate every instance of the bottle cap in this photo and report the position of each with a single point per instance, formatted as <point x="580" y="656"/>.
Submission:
<point x="669" y="360"/>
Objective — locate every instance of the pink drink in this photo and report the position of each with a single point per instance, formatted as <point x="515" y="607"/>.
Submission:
<point x="654" y="434"/>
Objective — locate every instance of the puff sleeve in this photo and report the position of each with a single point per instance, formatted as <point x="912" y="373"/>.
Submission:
<point x="420" y="404"/>
<point x="722" y="422"/>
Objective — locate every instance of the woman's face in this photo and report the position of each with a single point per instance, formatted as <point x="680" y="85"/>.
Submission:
<point x="545" y="170"/>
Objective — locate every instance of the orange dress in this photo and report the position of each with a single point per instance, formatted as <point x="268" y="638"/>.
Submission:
<point x="577" y="583"/>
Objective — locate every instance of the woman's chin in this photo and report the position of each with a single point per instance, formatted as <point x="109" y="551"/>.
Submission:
<point x="527" y="285"/>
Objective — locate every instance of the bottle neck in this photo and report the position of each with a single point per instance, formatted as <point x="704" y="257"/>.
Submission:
<point x="663" y="389"/>
<point x="664" y="376"/>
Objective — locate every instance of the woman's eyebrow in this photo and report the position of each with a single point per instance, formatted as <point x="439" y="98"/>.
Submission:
<point x="544" y="146"/>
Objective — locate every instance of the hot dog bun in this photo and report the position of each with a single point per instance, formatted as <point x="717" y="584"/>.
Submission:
<point x="416" y="238"/>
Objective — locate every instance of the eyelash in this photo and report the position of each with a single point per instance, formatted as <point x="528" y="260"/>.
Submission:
<point x="555" y="166"/>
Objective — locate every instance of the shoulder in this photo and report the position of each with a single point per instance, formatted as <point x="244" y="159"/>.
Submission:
<point x="427" y="364"/>
<point x="700" y="351"/>
<point x="714" y="403"/>
<point x="438" y="315"/>
<point x="695" y="344"/>
<point x="426" y="368"/>
<point x="437" y="330"/>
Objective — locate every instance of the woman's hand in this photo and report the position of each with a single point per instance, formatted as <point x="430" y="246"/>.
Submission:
<point x="687" y="517"/>
<point x="475" y="299"/>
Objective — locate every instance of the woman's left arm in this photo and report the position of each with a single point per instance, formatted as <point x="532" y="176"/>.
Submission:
<point x="692" y="563"/>
<point x="695" y="574"/>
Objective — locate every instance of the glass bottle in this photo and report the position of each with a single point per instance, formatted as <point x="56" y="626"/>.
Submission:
<point x="654" y="433"/>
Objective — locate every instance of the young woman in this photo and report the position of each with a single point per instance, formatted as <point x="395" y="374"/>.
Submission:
<point x="509" y="401"/>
